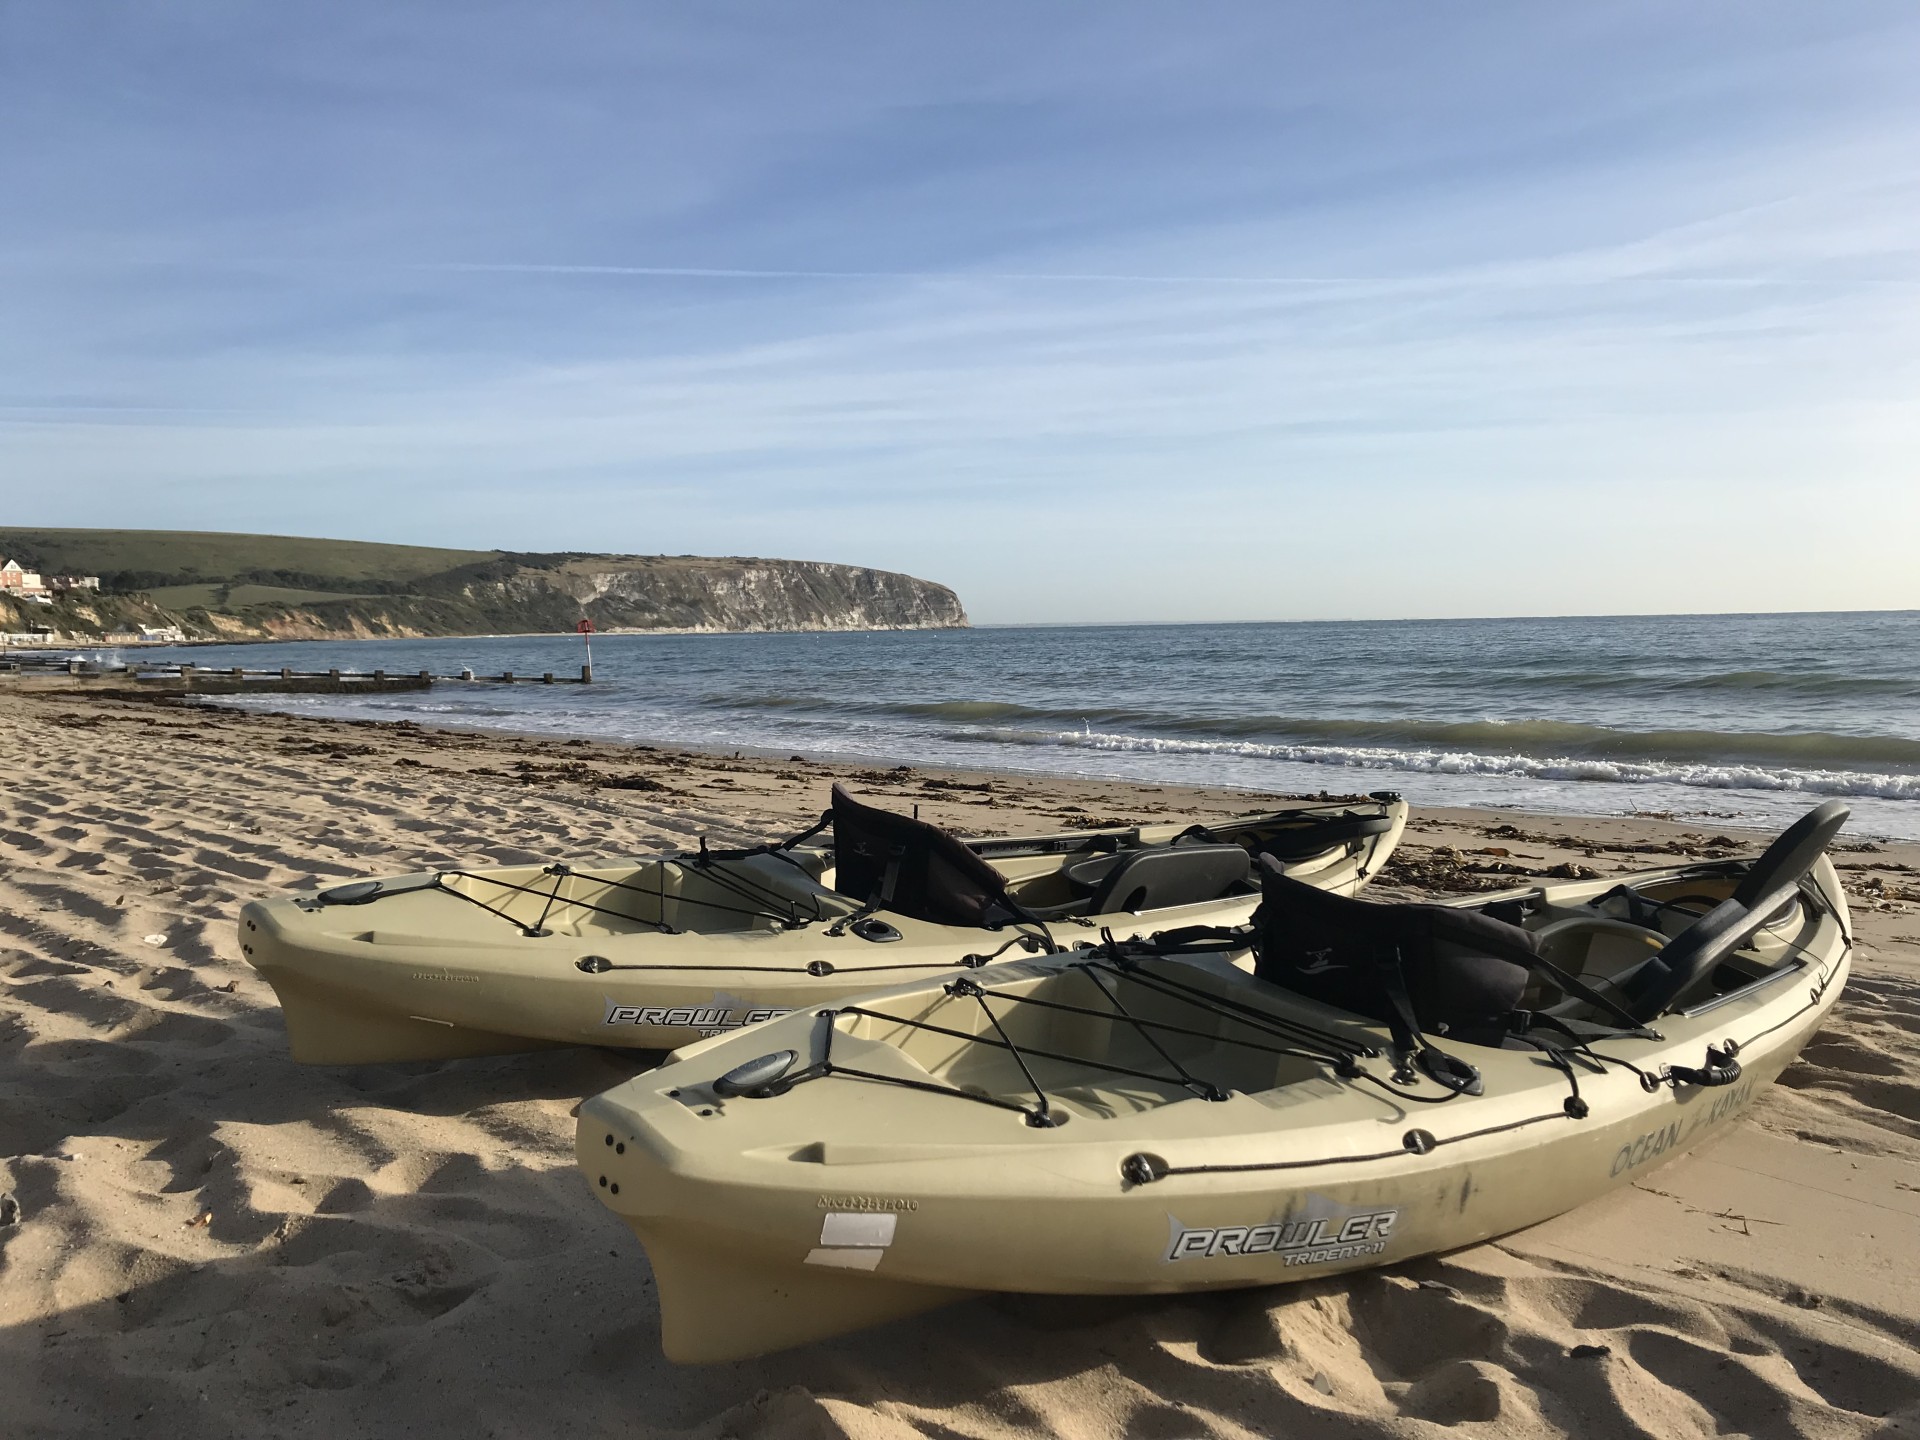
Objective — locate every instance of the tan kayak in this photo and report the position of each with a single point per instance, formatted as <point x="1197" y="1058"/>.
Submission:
<point x="1399" y="1079"/>
<point x="666" y="951"/>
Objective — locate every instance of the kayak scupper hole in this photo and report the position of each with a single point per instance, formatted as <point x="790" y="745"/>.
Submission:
<point x="603" y="1182"/>
<point x="609" y="1139"/>
<point x="613" y="1189"/>
<point x="621" y="1148"/>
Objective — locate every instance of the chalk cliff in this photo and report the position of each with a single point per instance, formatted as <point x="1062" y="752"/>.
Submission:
<point x="259" y="587"/>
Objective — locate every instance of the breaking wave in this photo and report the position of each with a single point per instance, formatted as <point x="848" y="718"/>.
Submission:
<point x="1439" y="762"/>
<point x="1753" y="715"/>
<point x="1488" y="740"/>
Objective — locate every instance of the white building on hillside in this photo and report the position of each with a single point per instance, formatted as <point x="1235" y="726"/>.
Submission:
<point x="14" y="580"/>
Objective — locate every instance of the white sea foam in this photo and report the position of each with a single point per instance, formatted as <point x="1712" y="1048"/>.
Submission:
<point x="1527" y="767"/>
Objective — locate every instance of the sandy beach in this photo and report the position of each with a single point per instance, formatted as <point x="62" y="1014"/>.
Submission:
<point x="205" y="1239"/>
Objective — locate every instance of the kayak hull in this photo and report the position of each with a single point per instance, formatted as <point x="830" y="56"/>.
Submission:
<point x="844" y="1202"/>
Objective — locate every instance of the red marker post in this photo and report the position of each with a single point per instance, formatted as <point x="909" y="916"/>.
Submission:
<point x="585" y="627"/>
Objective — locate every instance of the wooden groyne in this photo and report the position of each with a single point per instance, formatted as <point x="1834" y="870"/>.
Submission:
<point x="64" y="673"/>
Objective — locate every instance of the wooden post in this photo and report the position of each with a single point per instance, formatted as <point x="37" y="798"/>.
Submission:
<point x="466" y="674"/>
<point x="547" y="679"/>
<point x="426" y="675"/>
<point x="186" y="677"/>
<point x="586" y="674"/>
<point x="286" y="672"/>
<point x="506" y="675"/>
<point x="239" y="672"/>
<point x="379" y="677"/>
<point x="334" y="676"/>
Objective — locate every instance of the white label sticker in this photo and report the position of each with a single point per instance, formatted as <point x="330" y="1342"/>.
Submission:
<point x="864" y="1259"/>
<point x="840" y="1228"/>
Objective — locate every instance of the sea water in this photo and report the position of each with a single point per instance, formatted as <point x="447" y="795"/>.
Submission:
<point x="1743" y="719"/>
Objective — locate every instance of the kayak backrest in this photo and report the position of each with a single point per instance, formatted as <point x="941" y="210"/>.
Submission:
<point x="1314" y="835"/>
<point x="1464" y="971"/>
<point x="1793" y="853"/>
<point x="913" y="868"/>
<point x="1762" y="894"/>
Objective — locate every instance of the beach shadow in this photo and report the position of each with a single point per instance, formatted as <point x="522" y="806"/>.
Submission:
<point x="410" y="1249"/>
<point x="505" y="1301"/>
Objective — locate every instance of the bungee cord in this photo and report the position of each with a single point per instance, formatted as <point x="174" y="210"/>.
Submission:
<point x="1336" y="1052"/>
<point x="1131" y="964"/>
<point x="761" y="899"/>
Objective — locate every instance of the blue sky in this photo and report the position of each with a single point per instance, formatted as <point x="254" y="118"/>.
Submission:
<point x="1209" y="311"/>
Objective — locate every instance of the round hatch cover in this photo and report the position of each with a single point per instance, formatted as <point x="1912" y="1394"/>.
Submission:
<point x="354" y="894"/>
<point x="754" y="1076"/>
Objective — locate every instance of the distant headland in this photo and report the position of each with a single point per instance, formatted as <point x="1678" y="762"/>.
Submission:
<point x="119" y="586"/>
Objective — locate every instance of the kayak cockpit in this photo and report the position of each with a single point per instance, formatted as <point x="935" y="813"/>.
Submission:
<point x="1093" y="1039"/>
<point x="697" y="894"/>
<point x="1135" y="1025"/>
<point x="878" y="862"/>
<point x="1563" y="960"/>
<point x="906" y="866"/>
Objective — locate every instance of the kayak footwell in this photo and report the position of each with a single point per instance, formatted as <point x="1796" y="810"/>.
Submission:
<point x="717" y="1306"/>
<point x="323" y="1029"/>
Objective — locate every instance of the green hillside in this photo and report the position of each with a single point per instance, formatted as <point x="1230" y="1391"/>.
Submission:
<point x="256" y="587"/>
<point x="153" y="559"/>
<point x="224" y="595"/>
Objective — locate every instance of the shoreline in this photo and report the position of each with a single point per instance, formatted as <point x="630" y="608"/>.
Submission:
<point x="202" y="643"/>
<point x="208" y="1239"/>
<point x="1699" y="819"/>
<point x="863" y="764"/>
<point x="1615" y="827"/>
<point x="1749" y="746"/>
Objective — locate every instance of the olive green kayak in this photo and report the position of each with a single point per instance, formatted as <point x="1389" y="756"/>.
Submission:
<point x="1156" y="1116"/>
<point x="656" y="953"/>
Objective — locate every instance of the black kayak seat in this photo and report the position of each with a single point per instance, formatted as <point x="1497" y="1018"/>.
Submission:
<point x="1793" y="853"/>
<point x="1768" y="887"/>
<point x="1304" y="840"/>
<point x="1464" y="972"/>
<point x="914" y="868"/>
<point x="1160" y="877"/>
